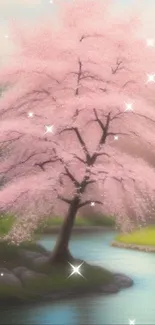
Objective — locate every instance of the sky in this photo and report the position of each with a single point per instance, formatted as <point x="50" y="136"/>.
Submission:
<point x="29" y="11"/>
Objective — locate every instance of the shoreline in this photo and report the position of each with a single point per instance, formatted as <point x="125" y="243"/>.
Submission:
<point x="142" y="248"/>
<point x="76" y="229"/>
<point x="120" y="281"/>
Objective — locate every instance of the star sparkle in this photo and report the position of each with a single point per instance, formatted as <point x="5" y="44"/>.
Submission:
<point x="129" y="107"/>
<point x="151" y="78"/>
<point x="1" y="274"/>
<point x="150" y="42"/>
<point x="132" y="322"/>
<point x="76" y="270"/>
<point x="116" y="137"/>
<point x="92" y="204"/>
<point x="49" y="128"/>
<point x="30" y="114"/>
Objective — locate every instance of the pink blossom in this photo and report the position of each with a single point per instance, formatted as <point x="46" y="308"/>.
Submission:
<point x="78" y="76"/>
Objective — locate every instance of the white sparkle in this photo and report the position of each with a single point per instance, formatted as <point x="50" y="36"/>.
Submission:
<point x="116" y="137"/>
<point x="132" y="322"/>
<point x="150" y="42"/>
<point x="151" y="78"/>
<point x="129" y="107"/>
<point x="1" y="274"/>
<point x="49" y="128"/>
<point x="30" y="114"/>
<point x="75" y="270"/>
<point x="6" y="36"/>
<point x="92" y="204"/>
<point x="51" y="1"/>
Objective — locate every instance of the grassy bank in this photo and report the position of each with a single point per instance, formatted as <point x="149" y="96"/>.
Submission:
<point x="144" y="236"/>
<point x="7" y="221"/>
<point x="52" y="280"/>
<point x="91" y="221"/>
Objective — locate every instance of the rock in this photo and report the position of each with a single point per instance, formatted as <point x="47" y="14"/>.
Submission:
<point x="19" y="270"/>
<point x="40" y="261"/>
<point x="29" y="275"/>
<point x="30" y="255"/>
<point x="110" y="288"/>
<point x="4" y="270"/>
<point x="122" y="281"/>
<point x="10" y="279"/>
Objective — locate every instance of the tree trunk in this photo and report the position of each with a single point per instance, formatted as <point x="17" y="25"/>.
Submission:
<point x="61" y="252"/>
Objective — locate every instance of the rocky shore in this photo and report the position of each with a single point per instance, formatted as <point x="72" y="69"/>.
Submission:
<point x="143" y="248"/>
<point x="19" y="280"/>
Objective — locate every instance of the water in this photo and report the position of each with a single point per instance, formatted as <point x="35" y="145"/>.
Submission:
<point x="136" y="302"/>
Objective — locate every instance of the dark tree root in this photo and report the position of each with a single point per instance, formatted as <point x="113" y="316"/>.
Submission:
<point x="61" y="257"/>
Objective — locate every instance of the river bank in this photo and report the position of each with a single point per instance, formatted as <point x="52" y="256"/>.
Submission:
<point x="77" y="229"/>
<point x="27" y="274"/>
<point x="95" y="308"/>
<point x="143" y="248"/>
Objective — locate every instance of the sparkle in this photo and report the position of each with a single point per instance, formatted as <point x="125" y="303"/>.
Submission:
<point x="1" y="274"/>
<point x="116" y="137"/>
<point x="49" y="128"/>
<point x="129" y="107"/>
<point x="75" y="270"/>
<point x="151" y="78"/>
<point x="150" y="42"/>
<point x="51" y="1"/>
<point x="132" y="322"/>
<point x="6" y="36"/>
<point x="92" y="204"/>
<point x="30" y="114"/>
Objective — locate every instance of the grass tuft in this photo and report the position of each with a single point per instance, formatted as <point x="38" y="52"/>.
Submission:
<point x="145" y="236"/>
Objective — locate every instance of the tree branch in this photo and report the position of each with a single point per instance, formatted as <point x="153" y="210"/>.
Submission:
<point x="82" y="143"/>
<point x="62" y="198"/>
<point x="41" y="165"/>
<point x="79" y="77"/>
<point x="80" y="159"/>
<point x="72" y="178"/>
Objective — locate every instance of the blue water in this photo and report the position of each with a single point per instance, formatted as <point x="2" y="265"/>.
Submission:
<point x="136" y="302"/>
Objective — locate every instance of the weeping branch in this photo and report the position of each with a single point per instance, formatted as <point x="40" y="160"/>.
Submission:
<point x="79" y="78"/>
<point x="79" y="137"/>
<point x="62" y="198"/>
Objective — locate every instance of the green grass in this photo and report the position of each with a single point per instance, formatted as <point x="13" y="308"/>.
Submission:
<point x="145" y="236"/>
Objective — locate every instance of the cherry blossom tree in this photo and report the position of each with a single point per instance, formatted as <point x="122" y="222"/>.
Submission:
<point x="78" y="90"/>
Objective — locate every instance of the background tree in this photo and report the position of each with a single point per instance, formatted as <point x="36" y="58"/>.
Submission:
<point x="77" y="89"/>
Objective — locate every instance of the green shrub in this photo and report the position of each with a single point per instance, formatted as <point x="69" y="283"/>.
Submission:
<point x="6" y="223"/>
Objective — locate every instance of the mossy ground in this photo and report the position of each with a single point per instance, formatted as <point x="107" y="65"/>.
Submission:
<point x="58" y="280"/>
<point x="57" y="277"/>
<point x="144" y="236"/>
